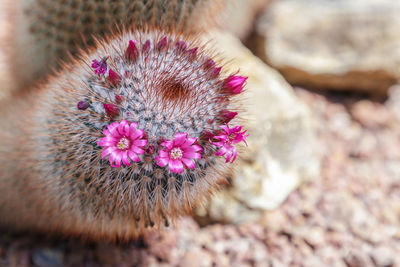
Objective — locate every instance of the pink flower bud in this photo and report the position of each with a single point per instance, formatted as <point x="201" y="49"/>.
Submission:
<point x="132" y="53"/>
<point x="162" y="43"/>
<point x="111" y="110"/>
<point x="234" y="84"/>
<point x="227" y="116"/>
<point x="181" y="45"/>
<point x="146" y="46"/>
<point x="114" y="77"/>
<point x="192" y="52"/>
<point x="119" y="98"/>
<point x="82" y="105"/>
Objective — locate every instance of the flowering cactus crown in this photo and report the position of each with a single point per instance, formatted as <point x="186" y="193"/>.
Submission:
<point x="162" y="110"/>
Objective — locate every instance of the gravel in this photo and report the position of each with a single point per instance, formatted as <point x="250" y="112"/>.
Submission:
<point x="350" y="216"/>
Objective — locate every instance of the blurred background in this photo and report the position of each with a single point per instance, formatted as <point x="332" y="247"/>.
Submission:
<point x="319" y="184"/>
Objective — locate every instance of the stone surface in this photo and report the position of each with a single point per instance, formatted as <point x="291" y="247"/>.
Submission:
<point x="238" y="16"/>
<point x="282" y="151"/>
<point x="343" y="45"/>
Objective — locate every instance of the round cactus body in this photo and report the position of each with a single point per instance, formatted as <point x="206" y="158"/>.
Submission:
<point x="132" y="135"/>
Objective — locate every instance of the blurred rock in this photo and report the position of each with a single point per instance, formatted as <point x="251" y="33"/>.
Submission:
<point x="382" y="256"/>
<point x="238" y="16"/>
<point x="343" y="45"/>
<point x="48" y="258"/>
<point x="282" y="151"/>
<point x="6" y="85"/>
<point x="371" y="115"/>
<point x="357" y="259"/>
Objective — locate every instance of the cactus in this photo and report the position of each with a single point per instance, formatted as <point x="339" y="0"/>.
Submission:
<point x="46" y="31"/>
<point x="131" y="135"/>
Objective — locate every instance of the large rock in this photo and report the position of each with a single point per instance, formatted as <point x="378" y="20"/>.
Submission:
<point x="238" y="16"/>
<point x="281" y="153"/>
<point x="345" y="45"/>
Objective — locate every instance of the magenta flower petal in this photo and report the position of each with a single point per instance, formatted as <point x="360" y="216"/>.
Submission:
<point x="188" y="163"/>
<point x="107" y="152"/>
<point x="167" y="144"/>
<point x="122" y="143"/>
<point x="162" y="162"/>
<point x="163" y="154"/>
<point x="106" y="141"/>
<point x="140" y="143"/>
<point x="118" y="158"/>
<point x="236" y="129"/>
<point x="192" y="155"/>
<point x="137" y="150"/>
<point x="176" y="166"/>
<point x="180" y="138"/>
<point x="121" y="127"/>
<point x="222" y="151"/>
<point x="111" y="128"/>
<point x="190" y="141"/>
<point x="136" y="134"/>
<point x="197" y="148"/>
<point x="133" y="156"/>
<point x="125" y="159"/>
<point x="112" y="158"/>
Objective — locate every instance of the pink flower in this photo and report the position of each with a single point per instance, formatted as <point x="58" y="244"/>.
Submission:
<point x="235" y="84"/>
<point x="179" y="153"/>
<point x="226" y="139"/>
<point x="100" y="67"/>
<point x="122" y="143"/>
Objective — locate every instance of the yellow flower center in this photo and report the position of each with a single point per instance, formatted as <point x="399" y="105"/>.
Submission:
<point x="176" y="153"/>
<point x="123" y="144"/>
